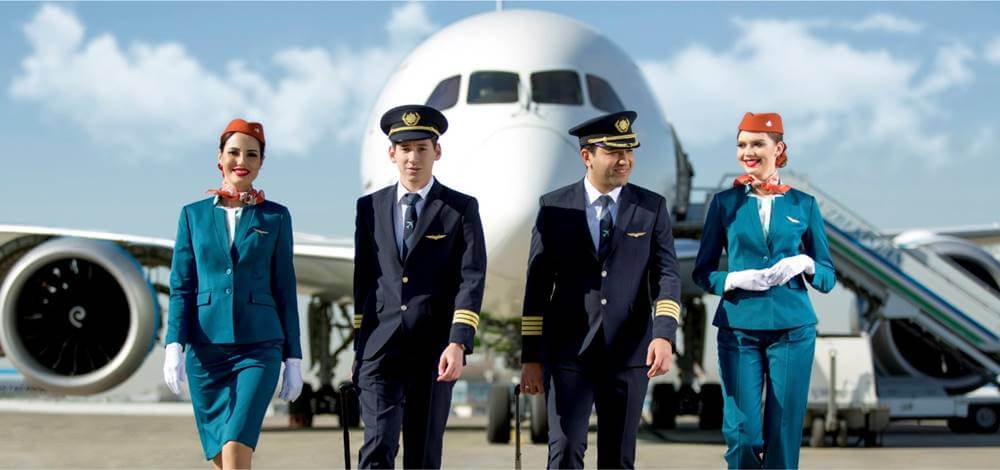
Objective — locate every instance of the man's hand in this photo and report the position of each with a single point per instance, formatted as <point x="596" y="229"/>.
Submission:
<point x="659" y="357"/>
<point x="451" y="364"/>
<point x="531" y="378"/>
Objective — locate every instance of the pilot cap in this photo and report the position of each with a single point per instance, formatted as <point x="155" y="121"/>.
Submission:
<point x="611" y="131"/>
<point x="766" y="122"/>
<point x="413" y="122"/>
<point x="252" y="129"/>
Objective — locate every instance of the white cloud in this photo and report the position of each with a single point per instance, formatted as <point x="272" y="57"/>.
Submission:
<point x="992" y="51"/>
<point x="158" y="99"/>
<point x="834" y="97"/>
<point x="887" y="23"/>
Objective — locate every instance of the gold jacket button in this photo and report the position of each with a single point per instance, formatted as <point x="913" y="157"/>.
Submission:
<point x="405" y="279"/>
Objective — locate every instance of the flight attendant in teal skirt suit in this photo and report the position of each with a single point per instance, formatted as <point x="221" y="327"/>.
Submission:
<point x="774" y="240"/>
<point x="233" y="304"/>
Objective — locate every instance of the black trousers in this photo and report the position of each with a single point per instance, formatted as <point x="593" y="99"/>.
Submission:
<point x="396" y="394"/>
<point x="573" y="388"/>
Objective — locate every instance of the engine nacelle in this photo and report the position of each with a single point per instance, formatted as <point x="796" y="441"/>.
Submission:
<point x="77" y="316"/>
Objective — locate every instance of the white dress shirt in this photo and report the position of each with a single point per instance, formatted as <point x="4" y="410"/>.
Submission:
<point x="399" y="209"/>
<point x="232" y="219"/>
<point x="594" y="209"/>
<point x="764" y="206"/>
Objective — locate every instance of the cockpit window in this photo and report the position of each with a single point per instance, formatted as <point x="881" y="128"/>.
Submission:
<point x="602" y="96"/>
<point x="493" y="87"/>
<point x="445" y="95"/>
<point x="556" y="87"/>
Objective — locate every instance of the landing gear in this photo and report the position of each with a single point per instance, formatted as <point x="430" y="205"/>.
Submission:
<point x="664" y="406"/>
<point x="300" y="411"/>
<point x="499" y="414"/>
<point x="539" y="419"/>
<point x="328" y="321"/>
<point x="710" y="411"/>
<point x="817" y="433"/>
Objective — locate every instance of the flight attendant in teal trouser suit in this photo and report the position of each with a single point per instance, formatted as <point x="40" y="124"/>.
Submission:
<point x="774" y="239"/>
<point x="233" y="304"/>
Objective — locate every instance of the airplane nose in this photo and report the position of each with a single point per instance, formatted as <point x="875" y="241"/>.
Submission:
<point x="517" y="165"/>
<point x="528" y="162"/>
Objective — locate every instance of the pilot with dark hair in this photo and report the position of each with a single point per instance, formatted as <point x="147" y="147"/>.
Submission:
<point x="419" y="275"/>
<point x="601" y="306"/>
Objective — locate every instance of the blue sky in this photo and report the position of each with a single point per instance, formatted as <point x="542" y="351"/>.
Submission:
<point x="109" y="111"/>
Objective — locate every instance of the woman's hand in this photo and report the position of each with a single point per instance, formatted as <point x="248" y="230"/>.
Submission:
<point x="173" y="367"/>
<point x="291" y="383"/>
<point x="748" y="279"/>
<point x="790" y="267"/>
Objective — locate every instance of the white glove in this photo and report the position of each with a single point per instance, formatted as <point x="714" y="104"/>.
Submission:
<point x="748" y="279"/>
<point x="291" y="382"/>
<point x="173" y="367"/>
<point x="790" y="267"/>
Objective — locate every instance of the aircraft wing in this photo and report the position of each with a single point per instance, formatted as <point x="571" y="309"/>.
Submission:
<point x="323" y="266"/>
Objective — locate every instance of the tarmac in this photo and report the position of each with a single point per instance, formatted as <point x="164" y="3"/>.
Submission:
<point x="31" y="439"/>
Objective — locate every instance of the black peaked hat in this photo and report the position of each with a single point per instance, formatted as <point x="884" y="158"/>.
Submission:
<point x="611" y="131"/>
<point x="413" y="122"/>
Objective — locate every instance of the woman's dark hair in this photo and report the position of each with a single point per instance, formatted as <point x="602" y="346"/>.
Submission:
<point x="227" y="135"/>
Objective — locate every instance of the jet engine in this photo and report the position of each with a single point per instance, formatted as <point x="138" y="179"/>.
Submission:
<point x="77" y="316"/>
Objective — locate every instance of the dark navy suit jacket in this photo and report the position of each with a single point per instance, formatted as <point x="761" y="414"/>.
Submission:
<point x="435" y="294"/>
<point x="634" y="294"/>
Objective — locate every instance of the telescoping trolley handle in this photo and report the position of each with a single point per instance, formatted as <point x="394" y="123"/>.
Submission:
<point x="345" y="391"/>
<point x="517" y="427"/>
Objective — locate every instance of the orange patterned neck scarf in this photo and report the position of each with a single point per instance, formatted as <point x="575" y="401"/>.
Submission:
<point x="771" y="185"/>
<point x="228" y="191"/>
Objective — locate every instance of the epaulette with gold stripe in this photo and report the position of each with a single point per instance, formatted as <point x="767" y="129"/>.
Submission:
<point x="357" y="321"/>
<point x="467" y="317"/>
<point x="669" y="308"/>
<point x="531" y="325"/>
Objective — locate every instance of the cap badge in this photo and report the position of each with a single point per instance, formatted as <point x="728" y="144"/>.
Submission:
<point x="622" y="125"/>
<point x="768" y="123"/>
<point x="411" y="118"/>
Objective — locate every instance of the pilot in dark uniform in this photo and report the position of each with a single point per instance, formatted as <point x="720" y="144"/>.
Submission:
<point x="419" y="275"/>
<point x="601" y="306"/>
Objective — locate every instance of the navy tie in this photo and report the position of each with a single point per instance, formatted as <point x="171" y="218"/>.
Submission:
<point x="606" y="229"/>
<point x="409" y="220"/>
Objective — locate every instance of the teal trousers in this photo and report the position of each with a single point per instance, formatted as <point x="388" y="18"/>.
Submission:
<point x="773" y="366"/>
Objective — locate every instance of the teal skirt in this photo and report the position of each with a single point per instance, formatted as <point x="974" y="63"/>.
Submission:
<point x="231" y="387"/>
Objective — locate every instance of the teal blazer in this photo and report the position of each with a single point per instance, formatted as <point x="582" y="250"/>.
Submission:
<point x="234" y="296"/>
<point x="733" y="224"/>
